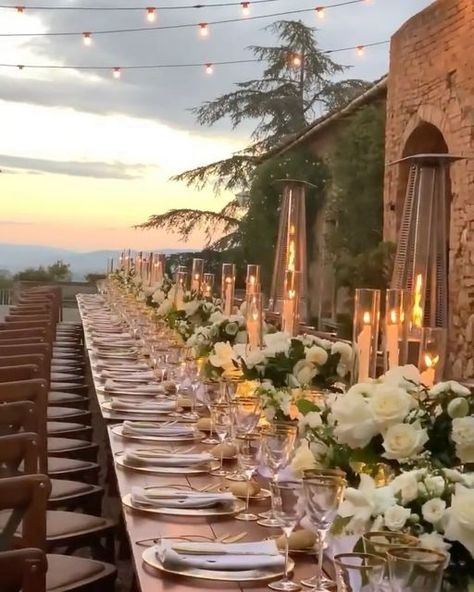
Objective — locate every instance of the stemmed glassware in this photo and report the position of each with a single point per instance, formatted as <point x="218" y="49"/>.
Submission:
<point x="210" y="395"/>
<point x="192" y="373"/>
<point x="248" y="453"/>
<point x="415" y="569"/>
<point x="359" y="572"/>
<point x="246" y="414"/>
<point x="278" y="442"/>
<point x="221" y="418"/>
<point x="288" y="511"/>
<point x="323" y="494"/>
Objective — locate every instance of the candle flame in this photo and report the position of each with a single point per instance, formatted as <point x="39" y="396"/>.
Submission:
<point x="431" y="361"/>
<point x="417" y="311"/>
<point x="366" y="318"/>
<point x="393" y="317"/>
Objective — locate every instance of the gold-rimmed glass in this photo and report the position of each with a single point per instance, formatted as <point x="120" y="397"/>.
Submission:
<point x="416" y="569"/>
<point x="359" y="572"/>
<point x="248" y="456"/>
<point x="378" y="542"/>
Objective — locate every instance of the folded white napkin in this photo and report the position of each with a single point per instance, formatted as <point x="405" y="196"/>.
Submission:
<point x="126" y="388"/>
<point x="127" y="376"/>
<point x="132" y="404"/>
<point x="168" y="497"/>
<point x="261" y="554"/>
<point x="121" y="366"/>
<point x="112" y="343"/>
<point x="166" y="459"/>
<point x="146" y="428"/>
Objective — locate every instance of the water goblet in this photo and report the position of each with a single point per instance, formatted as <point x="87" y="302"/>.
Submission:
<point x="248" y="452"/>
<point x="359" y="572"/>
<point x="222" y="420"/>
<point x="210" y="394"/>
<point x="416" y="569"/>
<point x="323" y="494"/>
<point x="288" y="512"/>
<point x="278" y="443"/>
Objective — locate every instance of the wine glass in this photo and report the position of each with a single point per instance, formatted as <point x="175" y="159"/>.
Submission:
<point x="210" y="394"/>
<point x="246" y="414"/>
<point x="192" y="372"/>
<point x="248" y="453"/>
<point x="359" y="572"/>
<point x="288" y="511"/>
<point x="278" y="442"/>
<point x="221" y="418"/>
<point x="323" y="495"/>
<point x="416" y="569"/>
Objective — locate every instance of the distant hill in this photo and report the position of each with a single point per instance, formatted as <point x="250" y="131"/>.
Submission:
<point x="15" y="258"/>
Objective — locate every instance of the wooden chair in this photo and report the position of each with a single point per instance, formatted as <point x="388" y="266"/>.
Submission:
<point x="27" y="497"/>
<point x="73" y="530"/>
<point x="23" y="570"/>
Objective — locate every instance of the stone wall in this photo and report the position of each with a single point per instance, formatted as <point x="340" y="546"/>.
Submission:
<point x="431" y="81"/>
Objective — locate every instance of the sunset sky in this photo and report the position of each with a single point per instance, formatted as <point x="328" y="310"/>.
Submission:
<point x="84" y="156"/>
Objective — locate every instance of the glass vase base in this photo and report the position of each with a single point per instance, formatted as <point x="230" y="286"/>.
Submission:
<point x="210" y="440"/>
<point x="220" y="473"/>
<point x="319" y="585"/>
<point x="235" y="477"/>
<point x="246" y="516"/>
<point x="285" y="586"/>
<point x="270" y="523"/>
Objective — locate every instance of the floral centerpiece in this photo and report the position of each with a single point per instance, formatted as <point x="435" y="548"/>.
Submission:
<point x="220" y="329"/>
<point x="420" y="435"/>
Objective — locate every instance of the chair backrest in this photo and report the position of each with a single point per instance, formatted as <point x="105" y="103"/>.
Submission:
<point x="16" y="449"/>
<point x="37" y="360"/>
<point x="19" y="416"/>
<point x="21" y="372"/>
<point x="28" y="317"/>
<point x="27" y="496"/>
<point x="36" y="332"/>
<point x="47" y="326"/>
<point x="23" y="570"/>
<point x="19" y="349"/>
<point x="35" y="391"/>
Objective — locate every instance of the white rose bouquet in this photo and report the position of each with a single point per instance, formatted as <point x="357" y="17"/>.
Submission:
<point x="222" y="328"/>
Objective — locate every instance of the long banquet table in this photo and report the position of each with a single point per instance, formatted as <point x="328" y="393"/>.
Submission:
<point x="141" y="525"/>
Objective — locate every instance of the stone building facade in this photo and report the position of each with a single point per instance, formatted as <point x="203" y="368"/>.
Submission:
<point x="430" y="109"/>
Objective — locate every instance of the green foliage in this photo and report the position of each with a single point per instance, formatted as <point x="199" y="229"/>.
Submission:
<point x="57" y="272"/>
<point x="6" y="280"/>
<point x="356" y="205"/>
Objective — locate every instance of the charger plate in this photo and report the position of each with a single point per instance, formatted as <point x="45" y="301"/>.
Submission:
<point x="221" y="510"/>
<point x="251" y="575"/>
<point x="157" y="470"/>
<point x="118" y="431"/>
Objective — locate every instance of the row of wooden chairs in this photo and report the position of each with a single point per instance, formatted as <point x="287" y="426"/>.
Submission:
<point x="50" y="499"/>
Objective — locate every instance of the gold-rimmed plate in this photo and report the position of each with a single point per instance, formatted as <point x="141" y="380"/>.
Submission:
<point x="196" y="435"/>
<point x="108" y="406"/>
<point x="166" y="470"/>
<point x="151" y="559"/>
<point x="219" y="510"/>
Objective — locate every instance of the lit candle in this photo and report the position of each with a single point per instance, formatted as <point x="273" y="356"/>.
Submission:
<point x="254" y="320"/>
<point x="392" y="339"/>
<point x="427" y="377"/>
<point x="179" y="289"/>
<point x="253" y="279"/>
<point x="228" y="284"/>
<point x="364" y="342"/>
<point x="196" y="275"/>
<point x="207" y="285"/>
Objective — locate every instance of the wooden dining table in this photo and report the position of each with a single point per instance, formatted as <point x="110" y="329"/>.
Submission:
<point x="142" y="527"/>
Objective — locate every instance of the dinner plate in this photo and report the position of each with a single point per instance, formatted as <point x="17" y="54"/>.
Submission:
<point x="251" y="575"/>
<point x="118" y="431"/>
<point x="211" y="466"/>
<point x="221" y="510"/>
<point x="108" y="407"/>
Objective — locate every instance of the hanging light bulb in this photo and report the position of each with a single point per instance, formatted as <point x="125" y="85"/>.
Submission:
<point x="20" y="9"/>
<point x="320" y="12"/>
<point x="296" y="60"/>
<point x="360" y="50"/>
<point x="87" y="38"/>
<point x="209" y="68"/>
<point x="151" y="14"/>
<point x="117" y="73"/>
<point x="203" y="29"/>
<point x="245" y="8"/>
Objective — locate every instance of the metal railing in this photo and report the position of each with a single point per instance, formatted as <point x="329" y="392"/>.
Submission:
<point x="6" y="296"/>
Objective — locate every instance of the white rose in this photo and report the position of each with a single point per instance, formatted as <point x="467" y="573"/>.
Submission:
<point x="311" y="420"/>
<point x="223" y="356"/>
<point x="190" y="308"/>
<point x="450" y="386"/>
<point x="434" y="541"/>
<point x="277" y="342"/>
<point x="241" y="337"/>
<point x="453" y="475"/>
<point x="406" y="377"/>
<point x="395" y="517"/>
<point x="407" y="485"/>
<point x="344" y="350"/>
<point x="403" y="441"/>
<point x="463" y="436"/>
<point x="164" y="308"/>
<point x="232" y="329"/>
<point x="316" y="355"/>
<point x="367" y="389"/>
<point x="158" y="296"/>
<point x="254" y="358"/>
<point x="390" y="405"/>
<point x="460" y="523"/>
<point x="303" y="459"/>
<point x="458" y="407"/>
<point x="354" y="423"/>
<point x="383" y="499"/>
<point x="435" y="485"/>
<point x="217" y="317"/>
<point x="304" y="372"/>
<point x="433" y="510"/>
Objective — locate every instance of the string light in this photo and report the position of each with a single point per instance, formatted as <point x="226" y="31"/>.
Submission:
<point x="245" y="8"/>
<point x="209" y="69"/>
<point x="117" y="73"/>
<point x="87" y="38"/>
<point x="203" y="29"/>
<point x="151" y="14"/>
<point x="320" y="12"/>
<point x="360" y="50"/>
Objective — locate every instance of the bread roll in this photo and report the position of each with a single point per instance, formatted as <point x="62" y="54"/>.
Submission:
<point x="229" y="450"/>
<point x="204" y="423"/>
<point x="239" y="488"/>
<point x="299" y="540"/>
<point x="184" y="401"/>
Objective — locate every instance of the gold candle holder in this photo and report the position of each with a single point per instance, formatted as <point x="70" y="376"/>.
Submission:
<point x="208" y="285"/>
<point x="197" y="272"/>
<point x="228" y="287"/>
<point x="432" y="354"/>
<point x="254" y="320"/>
<point x="253" y="279"/>
<point x="366" y="332"/>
